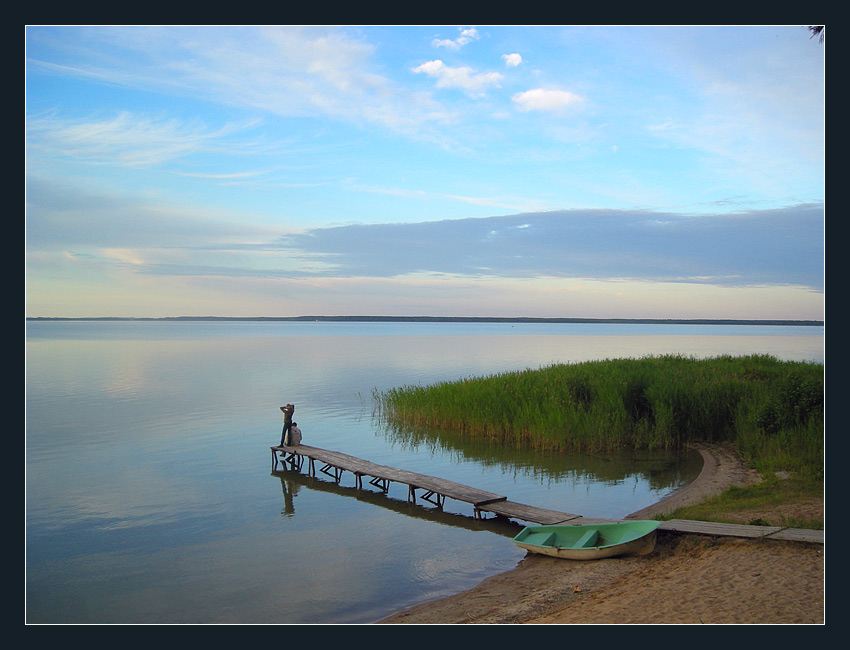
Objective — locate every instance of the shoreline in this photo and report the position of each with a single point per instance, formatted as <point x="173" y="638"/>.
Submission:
<point x="443" y="319"/>
<point x="721" y="469"/>
<point x="687" y="579"/>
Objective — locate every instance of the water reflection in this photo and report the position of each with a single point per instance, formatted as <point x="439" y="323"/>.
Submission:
<point x="292" y="480"/>
<point x="290" y="488"/>
<point x="658" y="471"/>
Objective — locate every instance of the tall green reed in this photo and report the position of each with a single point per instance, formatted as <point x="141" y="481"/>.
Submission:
<point x="772" y="410"/>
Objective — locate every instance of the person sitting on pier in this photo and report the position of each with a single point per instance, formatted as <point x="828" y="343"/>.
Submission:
<point x="288" y="410"/>
<point x="294" y="435"/>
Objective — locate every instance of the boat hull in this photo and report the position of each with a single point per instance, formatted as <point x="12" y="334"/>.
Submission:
<point x="590" y="542"/>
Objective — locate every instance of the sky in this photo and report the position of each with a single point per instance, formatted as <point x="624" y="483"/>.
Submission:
<point x="510" y="171"/>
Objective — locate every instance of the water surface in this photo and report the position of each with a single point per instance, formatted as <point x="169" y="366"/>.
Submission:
<point x="151" y="498"/>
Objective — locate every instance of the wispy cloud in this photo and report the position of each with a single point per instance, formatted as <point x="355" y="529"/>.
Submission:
<point x="467" y="35"/>
<point x="63" y="216"/>
<point x="126" y="139"/>
<point x="511" y="204"/>
<point x="292" y="72"/>
<point x="464" y="78"/>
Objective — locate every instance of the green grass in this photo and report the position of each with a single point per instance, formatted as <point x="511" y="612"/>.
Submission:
<point x="771" y="410"/>
<point x="764" y="502"/>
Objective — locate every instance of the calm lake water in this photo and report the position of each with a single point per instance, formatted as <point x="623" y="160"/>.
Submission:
<point x="150" y="495"/>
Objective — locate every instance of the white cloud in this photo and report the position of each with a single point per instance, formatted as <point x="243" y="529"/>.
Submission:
<point x="466" y="35"/>
<point x="540" y="99"/>
<point x="512" y="60"/>
<point x="463" y="77"/>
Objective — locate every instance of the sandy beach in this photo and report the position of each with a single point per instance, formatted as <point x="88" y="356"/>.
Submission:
<point x="687" y="579"/>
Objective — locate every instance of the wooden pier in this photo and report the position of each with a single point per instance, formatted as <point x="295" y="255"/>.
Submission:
<point x="432" y="489"/>
<point x="436" y="490"/>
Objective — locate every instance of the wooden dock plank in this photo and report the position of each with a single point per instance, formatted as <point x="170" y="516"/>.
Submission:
<point x="799" y="535"/>
<point x="713" y="528"/>
<point x="531" y="514"/>
<point x="415" y="480"/>
<point x="741" y="530"/>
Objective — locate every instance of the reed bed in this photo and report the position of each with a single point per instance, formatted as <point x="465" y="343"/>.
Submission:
<point x="772" y="410"/>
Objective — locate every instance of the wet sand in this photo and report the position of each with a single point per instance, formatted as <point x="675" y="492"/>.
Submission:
<point x="687" y="579"/>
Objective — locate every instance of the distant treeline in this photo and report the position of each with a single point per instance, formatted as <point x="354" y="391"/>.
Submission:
<point x="452" y="319"/>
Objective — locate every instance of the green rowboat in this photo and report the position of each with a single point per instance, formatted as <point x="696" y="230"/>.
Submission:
<point x="590" y="541"/>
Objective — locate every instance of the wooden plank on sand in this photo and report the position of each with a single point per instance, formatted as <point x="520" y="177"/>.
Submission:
<point x="799" y="535"/>
<point x="713" y="528"/>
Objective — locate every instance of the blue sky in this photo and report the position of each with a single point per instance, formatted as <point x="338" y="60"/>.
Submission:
<point x="598" y="172"/>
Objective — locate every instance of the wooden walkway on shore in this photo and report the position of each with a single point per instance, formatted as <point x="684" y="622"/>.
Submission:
<point x="743" y="530"/>
<point x="436" y="490"/>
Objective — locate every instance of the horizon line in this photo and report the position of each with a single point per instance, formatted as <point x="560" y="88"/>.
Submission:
<point x="468" y="319"/>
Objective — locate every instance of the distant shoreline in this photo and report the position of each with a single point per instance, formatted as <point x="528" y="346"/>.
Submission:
<point x="449" y="319"/>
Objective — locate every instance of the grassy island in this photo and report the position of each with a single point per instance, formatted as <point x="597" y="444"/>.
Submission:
<point x="771" y="410"/>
